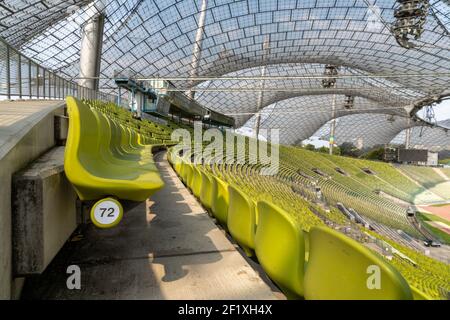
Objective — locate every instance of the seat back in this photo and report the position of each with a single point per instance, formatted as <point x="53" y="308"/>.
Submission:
<point x="84" y="137"/>
<point x="206" y="190"/>
<point x="116" y="138"/>
<point x="220" y="200"/>
<point x="183" y="171"/>
<point x="196" y="184"/>
<point x="241" y="220"/>
<point x="280" y="248"/>
<point x="105" y="136"/>
<point x="189" y="174"/>
<point x="419" y="295"/>
<point x="340" y="268"/>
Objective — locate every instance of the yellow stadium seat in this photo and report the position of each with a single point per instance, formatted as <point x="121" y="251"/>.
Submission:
<point x="93" y="176"/>
<point x="419" y="295"/>
<point x="280" y="248"/>
<point x="339" y="268"/>
<point x="206" y="190"/>
<point x="109" y="154"/>
<point x="183" y="171"/>
<point x="241" y="220"/>
<point x="220" y="200"/>
<point x="189" y="175"/>
<point x="196" y="182"/>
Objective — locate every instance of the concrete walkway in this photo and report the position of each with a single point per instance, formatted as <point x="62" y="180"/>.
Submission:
<point x="167" y="248"/>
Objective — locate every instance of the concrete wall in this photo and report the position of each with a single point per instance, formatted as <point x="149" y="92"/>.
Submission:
<point x="35" y="136"/>
<point x="44" y="213"/>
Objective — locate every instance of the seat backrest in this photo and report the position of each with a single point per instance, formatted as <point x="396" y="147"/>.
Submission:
<point x="189" y="174"/>
<point x="124" y="138"/>
<point x="419" y="295"/>
<point x="83" y="137"/>
<point x="241" y="220"/>
<point x="183" y="172"/>
<point x="196" y="186"/>
<point x="280" y="248"/>
<point x="340" y="268"/>
<point x="105" y="134"/>
<point x="220" y="200"/>
<point x="206" y="189"/>
<point x="116" y="139"/>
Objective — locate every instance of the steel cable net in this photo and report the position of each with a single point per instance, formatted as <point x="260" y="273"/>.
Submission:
<point x="156" y="38"/>
<point x="434" y="139"/>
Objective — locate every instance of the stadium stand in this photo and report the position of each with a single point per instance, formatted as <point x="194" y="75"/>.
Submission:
<point x="115" y="99"/>
<point x="272" y="193"/>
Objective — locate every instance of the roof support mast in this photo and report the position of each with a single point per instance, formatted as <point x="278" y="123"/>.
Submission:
<point x="91" y="51"/>
<point x="333" y="124"/>
<point x="331" y="73"/>
<point x="266" y="48"/>
<point x="197" y="50"/>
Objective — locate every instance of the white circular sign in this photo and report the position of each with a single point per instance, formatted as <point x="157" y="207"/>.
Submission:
<point x="106" y="213"/>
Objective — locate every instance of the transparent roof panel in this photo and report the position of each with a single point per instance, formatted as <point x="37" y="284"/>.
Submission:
<point x="155" y="38"/>
<point x="365" y="130"/>
<point x="435" y="139"/>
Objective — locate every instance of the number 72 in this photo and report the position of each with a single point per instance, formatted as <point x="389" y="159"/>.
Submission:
<point x="110" y="212"/>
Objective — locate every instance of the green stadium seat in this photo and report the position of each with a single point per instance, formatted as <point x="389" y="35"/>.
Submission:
<point x="280" y="249"/>
<point x="220" y="200"/>
<point x="241" y="220"/>
<point x="94" y="176"/>
<point x="339" y="268"/>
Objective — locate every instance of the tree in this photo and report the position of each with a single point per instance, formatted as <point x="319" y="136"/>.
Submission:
<point x="349" y="149"/>
<point x="375" y="154"/>
<point x="310" y="147"/>
<point x="323" y="150"/>
<point x="337" y="151"/>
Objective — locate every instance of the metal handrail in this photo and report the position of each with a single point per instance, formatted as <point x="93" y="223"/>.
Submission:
<point x="22" y="78"/>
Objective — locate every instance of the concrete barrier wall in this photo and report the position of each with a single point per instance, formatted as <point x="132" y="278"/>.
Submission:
<point x="27" y="142"/>
<point x="44" y="213"/>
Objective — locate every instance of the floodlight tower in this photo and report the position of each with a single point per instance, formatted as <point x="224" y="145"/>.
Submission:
<point x="329" y="81"/>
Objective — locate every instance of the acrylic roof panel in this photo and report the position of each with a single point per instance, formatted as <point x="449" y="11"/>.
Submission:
<point x="366" y="130"/>
<point x="240" y="98"/>
<point x="299" y="118"/>
<point x="156" y="38"/>
<point x="334" y="31"/>
<point x="436" y="139"/>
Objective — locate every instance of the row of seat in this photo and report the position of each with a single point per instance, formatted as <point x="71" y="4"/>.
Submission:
<point x="105" y="158"/>
<point x="321" y="264"/>
<point x="349" y="191"/>
<point x="154" y="133"/>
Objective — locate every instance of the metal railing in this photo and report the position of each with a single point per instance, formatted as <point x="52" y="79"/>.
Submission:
<point x="22" y="78"/>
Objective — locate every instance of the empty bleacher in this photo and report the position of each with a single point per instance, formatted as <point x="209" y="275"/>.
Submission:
<point x="248" y="190"/>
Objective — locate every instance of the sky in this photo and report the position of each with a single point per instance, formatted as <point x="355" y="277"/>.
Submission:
<point x="442" y="111"/>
